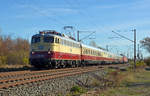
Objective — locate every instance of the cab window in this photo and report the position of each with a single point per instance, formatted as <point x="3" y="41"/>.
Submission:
<point x="49" y="39"/>
<point x="35" y="39"/>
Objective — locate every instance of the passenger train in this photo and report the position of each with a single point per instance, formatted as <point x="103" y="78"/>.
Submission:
<point x="55" y="50"/>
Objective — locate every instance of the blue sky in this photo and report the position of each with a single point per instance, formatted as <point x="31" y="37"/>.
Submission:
<point x="23" y="18"/>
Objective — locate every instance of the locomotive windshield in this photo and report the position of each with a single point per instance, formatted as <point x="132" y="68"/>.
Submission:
<point x="35" y="39"/>
<point x="48" y="39"/>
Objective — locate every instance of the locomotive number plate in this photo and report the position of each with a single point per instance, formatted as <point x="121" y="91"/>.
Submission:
<point x="41" y="47"/>
<point x="40" y="56"/>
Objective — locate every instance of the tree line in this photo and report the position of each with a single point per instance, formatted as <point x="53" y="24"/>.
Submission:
<point x="14" y="51"/>
<point x="146" y="45"/>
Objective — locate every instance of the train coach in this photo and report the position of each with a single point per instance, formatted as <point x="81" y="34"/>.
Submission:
<point x="55" y="50"/>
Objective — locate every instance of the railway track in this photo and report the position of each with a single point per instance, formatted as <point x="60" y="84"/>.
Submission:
<point x="11" y="79"/>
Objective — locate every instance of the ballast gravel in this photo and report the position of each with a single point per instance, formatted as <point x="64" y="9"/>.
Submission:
<point x="52" y="87"/>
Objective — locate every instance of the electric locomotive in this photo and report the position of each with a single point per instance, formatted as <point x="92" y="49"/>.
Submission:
<point x="52" y="49"/>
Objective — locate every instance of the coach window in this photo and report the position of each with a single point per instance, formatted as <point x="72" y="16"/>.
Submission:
<point x="58" y="40"/>
<point x="83" y="51"/>
<point x="70" y="44"/>
<point x="67" y="43"/>
<point x="62" y="41"/>
<point x="75" y="45"/>
<point x="55" y="40"/>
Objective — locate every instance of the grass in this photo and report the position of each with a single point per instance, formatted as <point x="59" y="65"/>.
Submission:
<point x="133" y="84"/>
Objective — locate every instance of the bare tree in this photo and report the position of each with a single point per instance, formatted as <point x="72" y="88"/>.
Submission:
<point x="146" y="43"/>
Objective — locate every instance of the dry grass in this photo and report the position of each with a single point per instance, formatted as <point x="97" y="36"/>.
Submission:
<point x="132" y="84"/>
<point x="15" y="66"/>
<point x="129" y="83"/>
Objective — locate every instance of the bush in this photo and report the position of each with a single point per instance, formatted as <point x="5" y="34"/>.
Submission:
<point x="138" y="63"/>
<point x="147" y="61"/>
<point x="76" y="89"/>
<point x="3" y="60"/>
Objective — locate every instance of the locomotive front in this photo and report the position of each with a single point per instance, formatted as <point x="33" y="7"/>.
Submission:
<point x="41" y="50"/>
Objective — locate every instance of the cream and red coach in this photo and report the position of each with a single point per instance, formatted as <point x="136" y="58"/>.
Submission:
<point x="52" y="49"/>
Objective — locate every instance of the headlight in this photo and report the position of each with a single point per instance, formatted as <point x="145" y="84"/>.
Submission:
<point x="49" y="52"/>
<point x="32" y="52"/>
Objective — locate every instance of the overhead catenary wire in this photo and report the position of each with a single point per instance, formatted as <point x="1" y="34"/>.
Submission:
<point x="123" y="36"/>
<point x="87" y="36"/>
<point x="85" y="11"/>
<point x="79" y="12"/>
<point x="82" y="14"/>
<point x="38" y="10"/>
<point x="45" y="14"/>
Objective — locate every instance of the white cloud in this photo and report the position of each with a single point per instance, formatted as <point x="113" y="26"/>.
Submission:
<point x="49" y="11"/>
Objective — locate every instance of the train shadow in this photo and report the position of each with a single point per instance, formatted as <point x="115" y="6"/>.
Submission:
<point x="16" y="69"/>
<point x="25" y="68"/>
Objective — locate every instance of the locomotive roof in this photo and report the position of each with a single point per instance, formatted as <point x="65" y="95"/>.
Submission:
<point x="62" y="37"/>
